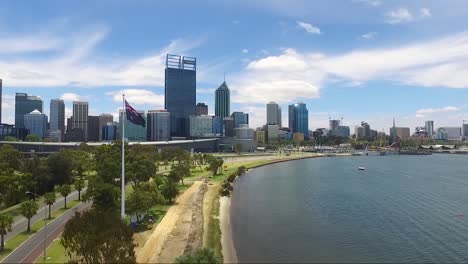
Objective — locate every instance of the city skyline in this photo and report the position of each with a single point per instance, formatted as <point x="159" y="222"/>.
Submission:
<point x="389" y="67"/>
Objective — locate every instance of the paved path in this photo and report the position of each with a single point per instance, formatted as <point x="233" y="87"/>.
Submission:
<point x="21" y="223"/>
<point x="31" y="250"/>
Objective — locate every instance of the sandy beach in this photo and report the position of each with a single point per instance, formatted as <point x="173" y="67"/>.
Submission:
<point x="229" y="251"/>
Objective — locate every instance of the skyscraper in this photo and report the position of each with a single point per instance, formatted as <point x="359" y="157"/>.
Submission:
<point x="103" y="120"/>
<point x="180" y="92"/>
<point x="57" y="115"/>
<point x="1" y="101"/>
<point x="429" y="125"/>
<point x="158" y="125"/>
<point x="93" y="128"/>
<point x="133" y="132"/>
<point x="223" y="101"/>
<point x="299" y="119"/>
<point x="36" y="123"/>
<point x="202" y="109"/>
<point x="273" y="114"/>
<point x="80" y="117"/>
<point x="25" y="104"/>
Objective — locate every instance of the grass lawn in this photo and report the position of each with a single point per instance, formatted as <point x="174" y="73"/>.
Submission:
<point x="55" y="253"/>
<point x="17" y="240"/>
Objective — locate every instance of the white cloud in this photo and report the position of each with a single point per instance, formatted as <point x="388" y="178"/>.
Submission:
<point x="245" y="51"/>
<point x="425" y="12"/>
<point x="372" y="3"/>
<point x="309" y="28"/>
<point x="139" y="97"/>
<point x="426" y="111"/>
<point x="368" y="35"/>
<point x="403" y="15"/>
<point x="399" y="15"/>
<point x="205" y="90"/>
<point x="69" y="97"/>
<point x="26" y="44"/>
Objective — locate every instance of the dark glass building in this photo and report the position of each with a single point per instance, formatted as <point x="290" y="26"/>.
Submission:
<point x="93" y="128"/>
<point x="228" y="123"/>
<point x="180" y="92"/>
<point x="223" y="101"/>
<point x="299" y="119"/>
<point x="240" y="118"/>
<point x="1" y="101"/>
<point x="57" y="116"/>
<point x="25" y="104"/>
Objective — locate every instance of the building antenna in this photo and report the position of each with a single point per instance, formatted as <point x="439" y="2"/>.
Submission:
<point x="224" y="76"/>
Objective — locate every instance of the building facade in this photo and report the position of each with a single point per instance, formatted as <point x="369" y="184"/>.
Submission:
<point x="217" y="126"/>
<point x="465" y="132"/>
<point x="400" y="132"/>
<point x="80" y="118"/>
<point x="201" y="126"/>
<point x="271" y="133"/>
<point x="158" y="125"/>
<point x="429" y="126"/>
<point x="223" y="101"/>
<point x="202" y="109"/>
<point x="36" y="123"/>
<point x="109" y="131"/>
<point x="1" y="93"/>
<point x="93" y="128"/>
<point x="342" y="131"/>
<point x="453" y="133"/>
<point x="228" y="124"/>
<point x="25" y="104"/>
<point x="57" y="115"/>
<point x="180" y="92"/>
<point x="240" y="118"/>
<point x="103" y="120"/>
<point x="299" y="119"/>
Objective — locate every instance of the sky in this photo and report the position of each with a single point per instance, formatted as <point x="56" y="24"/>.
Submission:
<point x="360" y="60"/>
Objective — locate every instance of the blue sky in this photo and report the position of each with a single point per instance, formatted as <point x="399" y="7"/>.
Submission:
<point x="366" y="60"/>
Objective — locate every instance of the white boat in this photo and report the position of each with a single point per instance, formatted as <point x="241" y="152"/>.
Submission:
<point x="361" y="168"/>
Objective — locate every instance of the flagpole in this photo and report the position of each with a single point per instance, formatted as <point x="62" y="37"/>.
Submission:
<point x="122" y="213"/>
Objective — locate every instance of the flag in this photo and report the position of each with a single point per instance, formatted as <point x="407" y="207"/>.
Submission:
<point x="133" y="116"/>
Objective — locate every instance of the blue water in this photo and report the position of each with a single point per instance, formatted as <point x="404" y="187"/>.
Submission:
<point x="401" y="209"/>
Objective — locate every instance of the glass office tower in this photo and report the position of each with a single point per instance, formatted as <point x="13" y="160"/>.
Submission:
<point x="25" y="104"/>
<point x="299" y="119"/>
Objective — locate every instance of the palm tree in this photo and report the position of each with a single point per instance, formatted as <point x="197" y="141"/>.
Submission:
<point x="49" y="199"/>
<point x="65" y="191"/>
<point x="6" y="221"/>
<point x="169" y="189"/>
<point x="79" y="185"/>
<point x="28" y="210"/>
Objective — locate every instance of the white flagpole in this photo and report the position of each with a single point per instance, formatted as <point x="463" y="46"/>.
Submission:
<point x="122" y="213"/>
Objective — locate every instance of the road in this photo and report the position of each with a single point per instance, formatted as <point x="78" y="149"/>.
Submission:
<point x="21" y="223"/>
<point x="31" y="250"/>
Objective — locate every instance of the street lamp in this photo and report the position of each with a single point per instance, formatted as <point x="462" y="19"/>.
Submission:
<point x="45" y="223"/>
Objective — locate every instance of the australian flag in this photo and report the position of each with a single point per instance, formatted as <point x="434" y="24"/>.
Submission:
<point x="133" y="116"/>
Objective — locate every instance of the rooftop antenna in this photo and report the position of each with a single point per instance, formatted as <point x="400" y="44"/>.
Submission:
<point x="224" y="76"/>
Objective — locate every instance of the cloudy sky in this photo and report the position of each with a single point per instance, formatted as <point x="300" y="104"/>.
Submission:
<point x="366" y="60"/>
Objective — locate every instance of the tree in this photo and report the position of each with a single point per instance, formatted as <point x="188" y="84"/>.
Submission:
<point x="60" y="167"/>
<point x="169" y="189"/>
<point x="182" y="170"/>
<point x="139" y="167"/>
<point x="79" y="186"/>
<point x="28" y="210"/>
<point x="238" y="148"/>
<point x="138" y="202"/>
<point x="6" y="222"/>
<point x="65" y="190"/>
<point x="105" y="196"/>
<point x="33" y="138"/>
<point x="10" y="138"/>
<point x="106" y="239"/>
<point x="11" y="157"/>
<point x="202" y="255"/>
<point x="108" y="162"/>
<point x="241" y="170"/>
<point x="49" y="199"/>
<point x="214" y="163"/>
<point x="80" y="160"/>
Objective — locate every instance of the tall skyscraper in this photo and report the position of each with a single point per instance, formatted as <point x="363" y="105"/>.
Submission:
<point x="158" y="125"/>
<point x="80" y="117"/>
<point x="103" y="120"/>
<point x="1" y="100"/>
<point x="202" y="109"/>
<point x="36" y="123"/>
<point x="429" y="126"/>
<point x="25" y="104"/>
<point x="273" y="114"/>
<point x="57" y="115"/>
<point x="180" y="92"/>
<point x="299" y="119"/>
<point x="93" y="128"/>
<point x="223" y="101"/>
<point x="240" y="118"/>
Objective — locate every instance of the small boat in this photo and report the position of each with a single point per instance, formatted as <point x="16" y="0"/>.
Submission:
<point x="361" y="168"/>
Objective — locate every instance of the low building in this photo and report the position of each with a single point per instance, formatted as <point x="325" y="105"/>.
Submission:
<point x="260" y="137"/>
<point x="217" y="126"/>
<point x="298" y="137"/>
<point x="54" y="135"/>
<point x="201" y="126"/>
<point x="453" y="133"/>
<point x="342" y="131"/>
<point x="402" y="133"/>
<point x="202" y="109"/>
<point x="271" y="133"/>
<point x="36" y="123"/>
<point x="158" y="125"/>
<point x="109" y="131"/>
<point x="228" y="124"/>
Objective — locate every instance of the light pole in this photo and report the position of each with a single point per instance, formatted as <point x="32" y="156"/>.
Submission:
<point x="45" y="223"/>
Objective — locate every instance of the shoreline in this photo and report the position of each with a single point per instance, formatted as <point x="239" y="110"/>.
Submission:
<point x="227" y="242"/>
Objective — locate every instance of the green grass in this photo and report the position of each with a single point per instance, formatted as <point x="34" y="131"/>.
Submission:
<point x="55" y="253"/>
<point x="214" y="230"/>
<point x="15" y="241"/>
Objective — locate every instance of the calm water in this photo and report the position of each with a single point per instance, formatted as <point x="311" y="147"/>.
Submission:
<point x="401" y="209"/>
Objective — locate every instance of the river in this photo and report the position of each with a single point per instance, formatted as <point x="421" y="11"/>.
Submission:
<point x="400" y="209"/>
